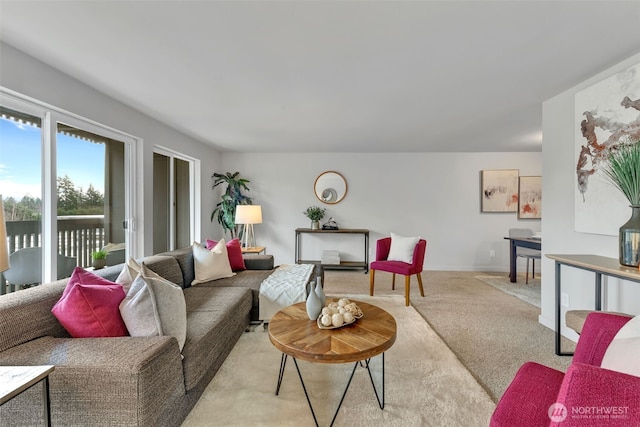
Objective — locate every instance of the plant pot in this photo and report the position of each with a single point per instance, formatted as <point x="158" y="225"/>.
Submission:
<point x="630" y="239"/>
<point x="99" y="263"/>
<point x="315" y="225"/>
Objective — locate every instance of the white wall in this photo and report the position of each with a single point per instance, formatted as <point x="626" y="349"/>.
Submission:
<point x="28" y="76"/>
<point x="559" y="177"/>
<point x="434" y="195"/>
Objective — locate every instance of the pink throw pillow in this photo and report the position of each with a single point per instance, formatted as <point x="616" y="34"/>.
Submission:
<point x="234" y="252"/>
<point x="91" y="311"/>
<point x="82" y="276"/>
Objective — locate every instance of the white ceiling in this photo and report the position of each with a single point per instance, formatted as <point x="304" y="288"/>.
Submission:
<point x="333" y="76"/>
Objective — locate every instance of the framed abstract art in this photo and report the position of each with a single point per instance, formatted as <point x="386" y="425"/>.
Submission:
<point x="530" y="197"/>
<point x="499" y="190"/>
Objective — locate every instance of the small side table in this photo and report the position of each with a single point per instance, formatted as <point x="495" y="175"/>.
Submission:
<point x="16" y="379"/>
<point x="254" y="250"/>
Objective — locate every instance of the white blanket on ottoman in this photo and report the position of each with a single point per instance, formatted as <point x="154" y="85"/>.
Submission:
<point x="283" y="287"/>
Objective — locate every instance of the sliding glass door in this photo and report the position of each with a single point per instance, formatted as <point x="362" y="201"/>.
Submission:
<point x="65" y="185"/>
<point x="173" y="196"/>
<point x="91" y="209"/>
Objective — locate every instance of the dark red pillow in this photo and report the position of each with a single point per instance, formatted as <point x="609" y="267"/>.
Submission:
<point x="234" y="252"/>
<point x="80" y="275"/>
<point x="91" y="311"/>
<point x="89" y="306"/>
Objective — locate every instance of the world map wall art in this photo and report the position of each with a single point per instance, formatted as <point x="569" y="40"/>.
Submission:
<point x="607" y="114"/>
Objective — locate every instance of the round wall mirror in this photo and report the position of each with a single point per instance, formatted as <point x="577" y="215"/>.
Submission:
<point x="330" y="187"/>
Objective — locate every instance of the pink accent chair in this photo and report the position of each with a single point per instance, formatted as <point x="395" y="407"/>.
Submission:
<point x="588" y="392"/>
<point x="398" y="267"/>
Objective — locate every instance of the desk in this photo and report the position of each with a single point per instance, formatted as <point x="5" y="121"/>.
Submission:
<point x="343" y="264"/>
<point x="514" y="242"/>
<point x="16" y="379"/>
<point x="599" y="265"/>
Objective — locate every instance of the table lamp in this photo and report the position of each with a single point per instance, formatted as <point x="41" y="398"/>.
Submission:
<point x="248" y="215"/>
<point x="4" y="252"/>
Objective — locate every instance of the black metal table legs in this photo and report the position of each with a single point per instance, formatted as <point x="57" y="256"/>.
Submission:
<point x="363" y="363"/>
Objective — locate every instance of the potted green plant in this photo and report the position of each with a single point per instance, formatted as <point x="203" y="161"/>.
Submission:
<point x="232" y="197"/>
<point x="99" y="259"/>
<point x="622" y="169"/>
<point x="315" y="214"/>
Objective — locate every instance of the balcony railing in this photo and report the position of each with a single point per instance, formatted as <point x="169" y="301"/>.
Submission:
<point x="78" y="237"/>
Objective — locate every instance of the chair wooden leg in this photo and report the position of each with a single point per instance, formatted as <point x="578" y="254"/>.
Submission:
<point x="372" y="274"/>
<point x="393" y="282"/>
<point x="406" y="289"/>
<point x="526" y="277"/>
<point x="420" y="284"/>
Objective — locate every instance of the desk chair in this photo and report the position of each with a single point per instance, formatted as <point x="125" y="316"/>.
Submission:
<point x="529" y="254"/>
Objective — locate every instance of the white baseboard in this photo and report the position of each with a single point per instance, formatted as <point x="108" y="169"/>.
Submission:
<point x="565" y="332"/>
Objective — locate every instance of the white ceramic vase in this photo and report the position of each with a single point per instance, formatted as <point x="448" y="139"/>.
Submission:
<point x="314" y="305"/>
<point x="320" y="292"/>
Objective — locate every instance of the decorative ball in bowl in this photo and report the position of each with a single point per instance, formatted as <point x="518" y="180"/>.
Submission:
<point x="338" y="314"/>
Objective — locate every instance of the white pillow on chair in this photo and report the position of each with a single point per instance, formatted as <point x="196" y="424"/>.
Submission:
<point x="622" y="353"/>
<point x="402" y="248"/>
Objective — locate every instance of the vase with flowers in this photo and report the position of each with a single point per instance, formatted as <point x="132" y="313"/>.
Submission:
<point x="622" y="169"/>
<point x="315" y="214"/>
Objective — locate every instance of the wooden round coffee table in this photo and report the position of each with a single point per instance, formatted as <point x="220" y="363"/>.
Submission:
<point x="291" y="332"/>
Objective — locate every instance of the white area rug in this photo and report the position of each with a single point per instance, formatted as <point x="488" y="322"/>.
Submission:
<point x="426" y="385"/>
<point x="529" y="293"/>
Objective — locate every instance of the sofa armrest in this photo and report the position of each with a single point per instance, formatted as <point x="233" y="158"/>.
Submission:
<point x="258" y="262"/>
<point x="527" y="399"/>
<point x="594" y="396"/>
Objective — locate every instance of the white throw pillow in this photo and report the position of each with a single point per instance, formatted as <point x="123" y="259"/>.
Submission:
<point x="402" y="248"/>
<point x="622" y="353"/>
<point x="128" y="274"/>
<point x="210" y="264"/>
<point x="155" y="306"/>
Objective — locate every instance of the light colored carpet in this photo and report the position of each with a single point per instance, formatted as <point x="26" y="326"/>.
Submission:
<point x="426" y="385"/>
<point x="491" y="332"/>
<point x="527" y="292"/>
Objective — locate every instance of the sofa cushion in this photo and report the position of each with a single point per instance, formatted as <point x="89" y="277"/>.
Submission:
<point x="155" y="306"/>
<point x="245" y="279"/>
<point x="210" y="264"/>
<point x="216" y="318"/>
<point x="165" y="266"/>
<point x="91" y="310"/>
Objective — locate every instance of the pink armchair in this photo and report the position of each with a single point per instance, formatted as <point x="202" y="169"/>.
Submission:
<point x="586" y="395"/>
<point x="398" y="267"/>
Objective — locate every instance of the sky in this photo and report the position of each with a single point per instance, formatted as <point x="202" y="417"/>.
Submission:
<point x="20" y="161"/>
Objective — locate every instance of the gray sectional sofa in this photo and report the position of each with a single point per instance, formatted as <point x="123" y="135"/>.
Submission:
<point x="127" y="381"/>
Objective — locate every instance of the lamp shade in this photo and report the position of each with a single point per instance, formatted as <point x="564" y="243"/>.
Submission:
<point x="4" y="251"/>
<point x="248" y="214"/>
